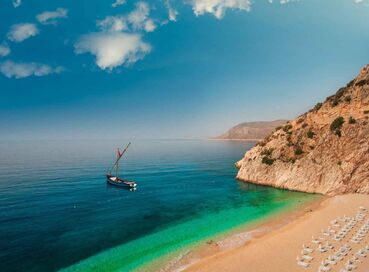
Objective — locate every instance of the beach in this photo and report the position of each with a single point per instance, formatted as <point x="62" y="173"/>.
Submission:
<point x="278" y="249"/>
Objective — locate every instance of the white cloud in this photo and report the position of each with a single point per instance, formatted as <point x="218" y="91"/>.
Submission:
<point x="113" y="23"/>
<point x="20" y="70"/>
<point x="139" y="18"/>
<point x="17" y="3"/>
<point x="218" y="7"/>
<point x="118" y="3"/>
<point x="113" y="49"/>
<point x="4" y="50"/>
<point x="172" y="13"/>
<point x="21" y="32"/>
<point x="149" y="26"/>
<point x="50" y="17"/>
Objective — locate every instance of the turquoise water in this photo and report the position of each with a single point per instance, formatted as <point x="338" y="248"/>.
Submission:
<point x="57" y="212"/>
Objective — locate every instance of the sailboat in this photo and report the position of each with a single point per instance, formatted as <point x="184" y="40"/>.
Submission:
<point x="115" y="180"/>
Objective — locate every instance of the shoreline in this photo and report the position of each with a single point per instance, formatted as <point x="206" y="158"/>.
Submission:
<point x="174" y="244"/>
<point x="232" y="239"/>
<point x="279" y="247"/>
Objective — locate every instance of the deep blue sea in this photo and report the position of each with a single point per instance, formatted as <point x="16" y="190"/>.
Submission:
<point x="57" y="211"/>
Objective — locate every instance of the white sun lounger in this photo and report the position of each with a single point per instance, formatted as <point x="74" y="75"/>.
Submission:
<point x="303" y="264"/>
<point x="307" y="249"/>
<point x="361" y="254"/>
<point x="324" y="268"/>
<point x="307" y="258"/>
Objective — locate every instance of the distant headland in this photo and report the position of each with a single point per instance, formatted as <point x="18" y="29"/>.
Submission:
<point x="250" y="130"/>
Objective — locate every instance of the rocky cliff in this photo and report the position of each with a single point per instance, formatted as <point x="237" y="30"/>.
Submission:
<point x="251" y="130"/>
<point x="325" y="150"/>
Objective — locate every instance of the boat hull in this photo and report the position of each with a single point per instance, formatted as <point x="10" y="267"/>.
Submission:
<point x="120" y="182"/>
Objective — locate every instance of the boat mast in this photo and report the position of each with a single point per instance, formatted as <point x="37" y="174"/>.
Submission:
<point x="116" y="165"/>
<point x="119" y="156"/>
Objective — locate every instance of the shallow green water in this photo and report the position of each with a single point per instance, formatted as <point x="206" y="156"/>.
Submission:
<point x="139" y="253"/>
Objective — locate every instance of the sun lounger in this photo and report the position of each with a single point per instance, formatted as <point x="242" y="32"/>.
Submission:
<point x="303" y="264"/>
<point x="322" y="249"/>
<point x="331" y="260"/>
<point x="307" y="248"/>
<point x="324" y="268"/>
<point x="306" y="251"/>
<point x="307" y="258"/>
<point x="328" y="245"/>
<point x="350" y="267"/>
<point x="361" y="254"/>
<point x="315" y="241"/>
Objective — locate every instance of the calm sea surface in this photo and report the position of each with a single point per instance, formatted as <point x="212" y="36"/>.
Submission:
<point x="57" y="211"/>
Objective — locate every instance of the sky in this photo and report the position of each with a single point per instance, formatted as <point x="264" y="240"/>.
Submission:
<point x="91" y="69"/>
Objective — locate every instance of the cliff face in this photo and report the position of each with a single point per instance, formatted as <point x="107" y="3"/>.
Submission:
<point x="325" y="150"/>
<point x="251" y="130"/>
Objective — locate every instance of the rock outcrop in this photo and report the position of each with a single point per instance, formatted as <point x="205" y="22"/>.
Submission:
<point x="325" y="150"/>
<point x="251" y="130"/>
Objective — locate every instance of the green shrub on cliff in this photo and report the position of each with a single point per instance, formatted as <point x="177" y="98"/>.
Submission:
<point x="267" y="160"/>
<point x="348" y="99"/>
<point x="300" y="120"/>
<point x="298" y="151"/>
<point x="337" y="123"/>
<point x="286" y="128"/>
<point x="267" y="152"/>
<point x="318" y="106"/>
<point x="334" y="102"/>
<point x="352" y="120"/>
<point x="267" y="156"/>
<point x="310" y="134"/>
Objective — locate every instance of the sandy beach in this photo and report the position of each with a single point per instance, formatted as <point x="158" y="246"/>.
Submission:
<point x="279" y="249"/>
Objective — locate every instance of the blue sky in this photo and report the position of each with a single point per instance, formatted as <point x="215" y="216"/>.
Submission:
<point x="170" y="69"/>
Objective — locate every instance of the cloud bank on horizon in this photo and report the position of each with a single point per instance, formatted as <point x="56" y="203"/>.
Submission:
<point x="119" y="39"/>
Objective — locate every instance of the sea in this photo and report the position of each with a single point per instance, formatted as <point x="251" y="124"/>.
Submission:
<point x="57" y="212"/>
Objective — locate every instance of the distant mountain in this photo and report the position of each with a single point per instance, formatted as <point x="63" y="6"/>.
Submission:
<point x="251" y="130"/>
<point x="325" y="150"/>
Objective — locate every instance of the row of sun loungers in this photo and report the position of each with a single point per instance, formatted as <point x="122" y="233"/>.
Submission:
<point x="361" y="233"/>
<point x="352" y="263"/>
<point x="341" y="234"/>
<point x="339" y="230"/>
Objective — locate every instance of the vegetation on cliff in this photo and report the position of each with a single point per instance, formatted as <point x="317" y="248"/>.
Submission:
<point x="324" y="150"/>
